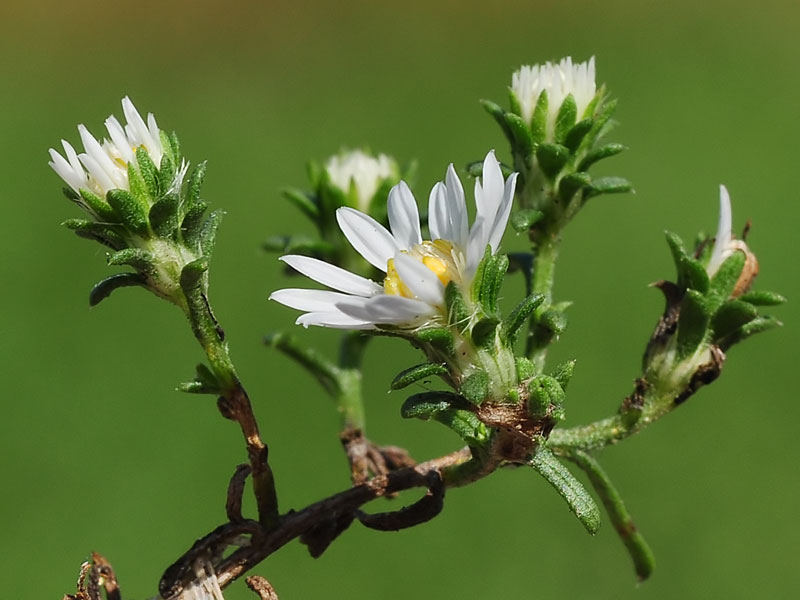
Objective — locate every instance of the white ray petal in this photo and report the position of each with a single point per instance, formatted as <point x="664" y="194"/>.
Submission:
<point x="489" y="189"/>
<point x="438" y="222"/>
<point x="457" y="207"/>
<point x="72" y="157"/>
<point x="404" y="216"/>
<point x="723" y="237"/>
<point x="422" y="282"/>
<point x="334" y="320"/>
<point x="65" y="171"/>
<point x="137" y="126"/>
<point x="97" y="173"/>
<point x="332" y="276"/>
<point x="95" y="150"/>
<point x="476" y="246"/>
<point x="501" y="219"/>
<point x="368" y="237"/>
<point x="387" y="309"/>
<point x="310" y="300"/>
<point x="120" y="140"/>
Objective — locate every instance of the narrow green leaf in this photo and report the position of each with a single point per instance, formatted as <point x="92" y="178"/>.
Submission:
<point x="208" y="234"/>
<point x="513" y="103"/>
<point x="572" y="183"/>
<point x="598" y="154"/>
<point x="483" y="332"/>
<point x="757" y="325"/>
<point x="426" y="404"/>
<point x="525" y="368"/>
<point x="440" y="339"/>
<point x="205" y="382"/>
<point x="539" y="119"/>
<point x="457" y="313"/>
<point x="491" y="282"/>
<point x="302" y="202"/>
<point x="576" y="135"/>
<point x="99" y="207"/>
<point x="464" y="423"/>
<point x="139" y="188"/>
<point x="693" y="323"/>
<point x="163" y="215"/>
<point x="577" y="498"/>
<point x="148" y="171"/>
<point x="553" y="321"/>
<point x="524" y="218"/>
<point x="132" y="212"/>
<point x="522" y="140"/>
<point x="475" y="387"/>
<point x="519" y="316"/>
<point x="609" y="185"/>
<point x="552" y="158"/>
<point x="565" y="119"/>
<point x="731" y="316"/>
<point x="194" y="185"/>
<point x="139" y="259"/>
<point x="192" y="224"/>
<point x="763" y="298"/>
<point x="563" y="373"/>
<point x="724" y="280"/>
<point x="498" y="114"/>
<point x="417" y="373"/>
<point x="193" y="274"/>
<point x="103" y="290"/>
<point x="166" y="176"/>
<point x="107" y="234"/>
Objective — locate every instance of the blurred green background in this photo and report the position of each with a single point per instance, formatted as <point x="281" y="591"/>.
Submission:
<point x="99" y="453"/>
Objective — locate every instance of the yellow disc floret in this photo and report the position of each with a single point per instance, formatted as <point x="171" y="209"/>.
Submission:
<point x="440" y="256"/>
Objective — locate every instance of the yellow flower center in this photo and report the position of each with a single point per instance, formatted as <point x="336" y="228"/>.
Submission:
<point x="438" y="255"/>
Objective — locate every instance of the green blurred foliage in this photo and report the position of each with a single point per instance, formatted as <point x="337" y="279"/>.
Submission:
<point x="99" y="452"/>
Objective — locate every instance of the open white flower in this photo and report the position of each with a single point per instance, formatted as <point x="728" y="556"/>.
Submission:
<point x="103" y="167"/>
<point x="366" y="172"/>
<point x="559" y="81"/>
<point x="417" y="271"/>
<point x="725" y="245"/>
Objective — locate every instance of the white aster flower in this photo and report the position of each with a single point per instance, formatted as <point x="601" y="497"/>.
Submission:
<point x="725" y="245"/>
<point x="366" y="173"/>
<point x="417" y="271"/>
<point x="103" y="167"/>
<point x="559" y="81"/>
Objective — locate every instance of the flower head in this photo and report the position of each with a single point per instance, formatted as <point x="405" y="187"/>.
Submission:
<point x="558" y="81"/>
<point x="361" y="170"/>
<point x="725" y="245"/>
<point x="104" y="166"/>
<point x="412" y="293"/>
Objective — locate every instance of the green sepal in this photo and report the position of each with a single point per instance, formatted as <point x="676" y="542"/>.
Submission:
<point x="417" y="373"/>
<point x="314" y="172"/>
<point x="724" y="280"/>
<point x="205" y="382"/>
<point x="139" y="188"/>
<point x="98" y="206"/>
<point x="450" y="410"/>
<point x="565" y="119"/>
<point x="103" y="289"/>
<point x="539" y="119"/>
<point x="483" y="332"/>
<point x="163" y="215"/>
<point x="141" y="260"/>
<point x="440" y="339"/>
<point x="517" y="317"/>
<point x="475" y="387"/>
<point x="525" y="368"/>
<point x="148" y="171"/>
<point x="602" y="122"/>
<point x="71" y="194"/>
<point x="457" y="313"/>
<point x="297" y="244"/>
<point x="132" y="212"/>
<point x="577" y="134"/>
<point x="522" y="141"/>
<point x="563" y="373"/>
<point x="579" y="500"/>
<point x="488" y="280"/>
<point x="475" y="169"/>
<point x="552" y="158"/>
<point x="196" y="179"/>
<point x="755" y="326"/>
<point x="499" y="115"/>
<point x="330" y="196"/>
<point x="208" y="234"/>
<point x="106" y="234"/>
<point x="763" y="298"/>
<point x="572" y="183"/>
<point x="599" y="154"/>
<point x="302" y="202"/>
<point x="192" y="224"/>
<point x="691" y="274"/>
<point x="731" y="316"/>
<point x="513" y="103"/>
<point x="553" y="322"/>
<point x="193" y="275"/>
<point x="609" y="185"/>
<point x="166" y="175"/>
<point x="693" y="321"/>
<point x="545" y="397"/>
<point x="524" y="218"/>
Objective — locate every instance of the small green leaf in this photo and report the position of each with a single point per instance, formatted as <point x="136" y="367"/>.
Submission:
<point x="693" y="323"/>
<point x="196" y="179"/>
<point x="148" y="171"/>
<point x="565" y="120"/>
<point x="449" y="409"/>
<point x="522" y="140"/>
<point x="525" y="368"/>
<point x="609" y="185"/>
<point x="417" y="373"/>
<point x="139" y="188"/>
<point x="563" y="373"/>
<point x="475" y="387"/>
<point x="519" y="316"/>
<point x="193" y="274"/>
<point x="103" y="290"/>
<point x="539" y="119"/>
<point x="166" y="176"/>
<point x="99" y="207"/>
<point x="466" y="424"/>
<point x="572" y="183"/>
<point x="205" y="382"/>
<point x="576" y="496"/>
<point x="132" y="212"/>
<point x="755" y="326"/>
<point x="457" y="313"/>
<point x="164" y="216"/>
<point x="599" y="154"/>
<point x="139" y="259"/>
<point x="552" y="158"/>
<point x="303" y="202"/>
<point x="494" y="269"/>
<point x="553" y="321"/>
<point x="192" y="224"/>
<point x="545" y="397"/>
<point x="499" y="115"/>
<point x="426" y="404"/>
<point x="731" y="316"/>
<point x="107" y="234"/>
<point x="208" y="235"/>
<point x="575" y="135"/>
<point x="513" y="103"/>
<point x="524" y="218"/>
<point x="724" y="280"/>
<point x="763" y="298"/>
<point x="483" y="331"/>
<point x="440" y="339"/>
